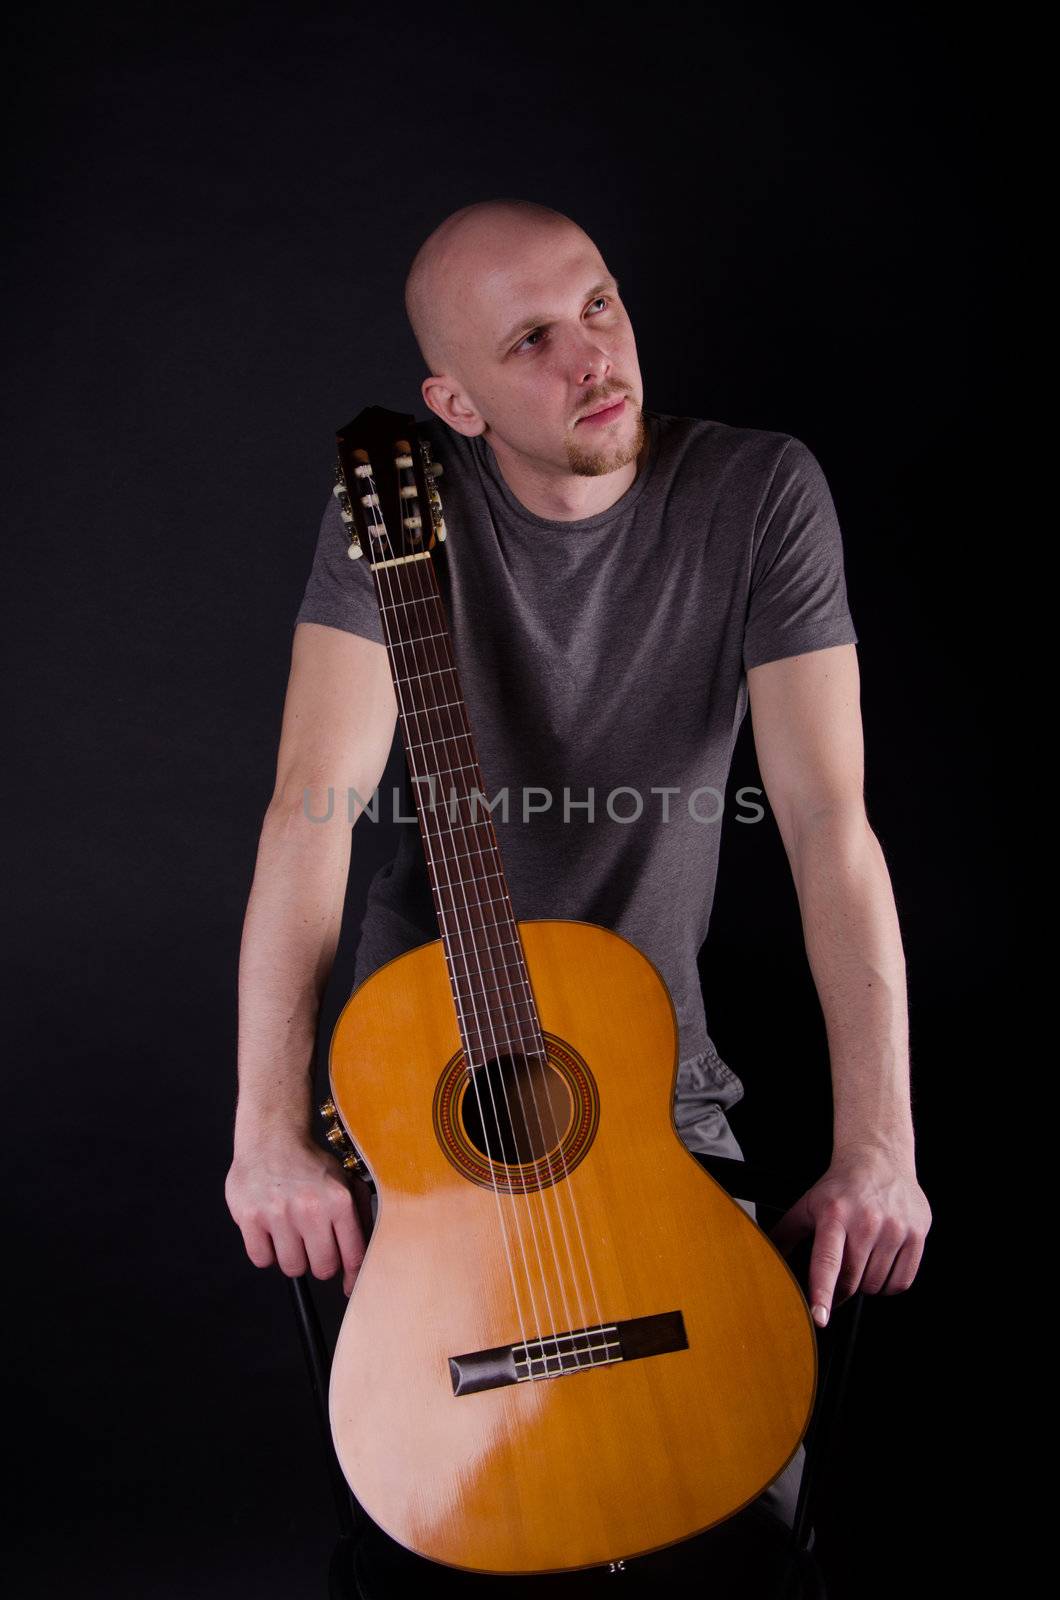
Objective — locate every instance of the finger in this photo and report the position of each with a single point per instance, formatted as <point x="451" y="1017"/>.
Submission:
<point x="794" y="1225"/>
<point x="879" y="1265"/>
<point x="289" y="1248"/>
<point x="857" y="1253"/>
<point x="259" y="1244"/>
<point x="350" y="1244"/>
<point x="826" y="1261"/>
<point x="906" y="1266"/>
<point x="873" y="1242"/>
<point x="320" y="1246"/>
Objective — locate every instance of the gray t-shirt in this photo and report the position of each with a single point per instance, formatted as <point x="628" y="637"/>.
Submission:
<point x="604" y="660"/>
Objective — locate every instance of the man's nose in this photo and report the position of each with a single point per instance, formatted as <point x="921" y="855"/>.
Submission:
<point x="591" y="363"/>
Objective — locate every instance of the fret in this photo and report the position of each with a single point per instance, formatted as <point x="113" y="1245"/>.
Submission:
<point x="478" y="903"/>
<point x="422" y="745"/>
<point x="469" y="934"/>
<point x="454" y="800"/>
<point x="408" y="644"/>
<point x="446" y="705"/>
<point x="505" y="1000"/>
<point x="477" y="1038"/>
<point x="477" y="1034"/>
<point x="458" y="827"/>
<point x="512" y="1016"/>
<point x="426" y="708"/>
<point x="490" y="969"/>
<point x="425" y="777"/>
<point x="485" y="924"/>
<point x="479" y="942"/>
<point x="500" y="944"/>
<point x="468" y="1011"/>
<point x="408" y="632"/>
<point x="458" y="855"/>
<point x="479" y="876"/>
<point x="449" y="873"/>
<point x="470" y="883"/>
<point x="448" y="829"/>
<point x="409" y="600"/>
<point x="507" y="1041"/>
<point x="446" y="807"/>
<point x="418" y="632"/>
<point x="486" y="854"/>
<point x="459" y="888"/>
<point x="484" y="969"/>
<point x="509" y="1000"/>
<point x="435" y="672"/>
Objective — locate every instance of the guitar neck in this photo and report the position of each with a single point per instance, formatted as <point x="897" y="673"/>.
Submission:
<point x="495" y="1007"/>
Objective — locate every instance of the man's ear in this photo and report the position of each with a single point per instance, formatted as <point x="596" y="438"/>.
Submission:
<point x="448" y="401"/>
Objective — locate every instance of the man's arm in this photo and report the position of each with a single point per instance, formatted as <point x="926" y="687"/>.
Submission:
<point x="288" y="1195"/>
<point x="868" y="1213"/>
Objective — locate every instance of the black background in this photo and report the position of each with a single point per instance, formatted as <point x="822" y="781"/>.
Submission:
<point x="213" y="209"/>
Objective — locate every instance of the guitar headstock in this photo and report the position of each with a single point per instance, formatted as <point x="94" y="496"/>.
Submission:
<point x="384" y="483"/>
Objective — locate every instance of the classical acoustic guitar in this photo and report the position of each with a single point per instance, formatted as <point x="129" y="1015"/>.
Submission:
<point x="544" y="1364"/>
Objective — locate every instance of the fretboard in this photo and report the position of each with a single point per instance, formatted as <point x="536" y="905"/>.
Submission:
<point x="483" y="951"/>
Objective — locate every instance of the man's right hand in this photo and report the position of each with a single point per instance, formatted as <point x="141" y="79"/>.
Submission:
<point x="295" y="1209"/>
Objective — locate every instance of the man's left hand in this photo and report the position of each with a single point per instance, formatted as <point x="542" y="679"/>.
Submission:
<point x="869" y="1218"/>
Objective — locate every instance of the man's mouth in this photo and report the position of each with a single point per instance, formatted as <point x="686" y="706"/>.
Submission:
<point x="611" y="411"/>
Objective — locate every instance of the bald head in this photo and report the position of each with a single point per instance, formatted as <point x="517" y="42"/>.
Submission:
<point x="454" y="260"/>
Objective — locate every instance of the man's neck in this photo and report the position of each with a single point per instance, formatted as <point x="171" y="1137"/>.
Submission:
<point x="571" y="497"/>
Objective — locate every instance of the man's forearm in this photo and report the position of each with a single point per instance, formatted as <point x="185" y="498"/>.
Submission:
<point x="854" y="946"/>
<point x="290" y="935"/>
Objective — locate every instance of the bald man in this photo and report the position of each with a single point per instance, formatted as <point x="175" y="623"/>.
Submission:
<point x="620" y="585"/>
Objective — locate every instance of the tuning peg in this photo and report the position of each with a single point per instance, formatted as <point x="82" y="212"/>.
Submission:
<point x="338" y="1139"/>
<point x="432" y="468"/>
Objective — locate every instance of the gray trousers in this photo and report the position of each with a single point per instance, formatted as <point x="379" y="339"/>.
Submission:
<point x="706" y="1088"/>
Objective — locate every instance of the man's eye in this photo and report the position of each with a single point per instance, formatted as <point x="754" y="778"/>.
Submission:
<point x="539" y="333"/>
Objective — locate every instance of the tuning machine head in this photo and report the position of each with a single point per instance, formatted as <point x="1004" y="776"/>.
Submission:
<point x="387" y="487"/>
<point x="433" y="470"/>
<point x="339" y="1140"/>
<point x="346" y="512"/>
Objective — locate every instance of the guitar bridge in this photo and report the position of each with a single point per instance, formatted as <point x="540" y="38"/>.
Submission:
<point x="558" y="1355"/>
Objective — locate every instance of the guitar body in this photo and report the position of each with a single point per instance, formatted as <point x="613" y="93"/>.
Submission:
<point x="699" y="1391"/>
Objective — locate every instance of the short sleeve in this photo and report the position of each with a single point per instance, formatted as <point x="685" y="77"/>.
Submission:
<point x="798" y="599"/>
<point x="340" y="592"/>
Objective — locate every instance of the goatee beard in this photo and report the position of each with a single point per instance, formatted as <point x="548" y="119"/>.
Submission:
<point x="595" y="461"/>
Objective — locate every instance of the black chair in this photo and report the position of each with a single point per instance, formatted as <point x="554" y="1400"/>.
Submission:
<point x="784" y="1566"/>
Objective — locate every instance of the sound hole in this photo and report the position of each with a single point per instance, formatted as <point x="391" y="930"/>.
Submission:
<point x="516" y="1108"/>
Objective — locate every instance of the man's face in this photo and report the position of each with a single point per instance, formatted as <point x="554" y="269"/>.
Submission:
<point x="543" y="339"/>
